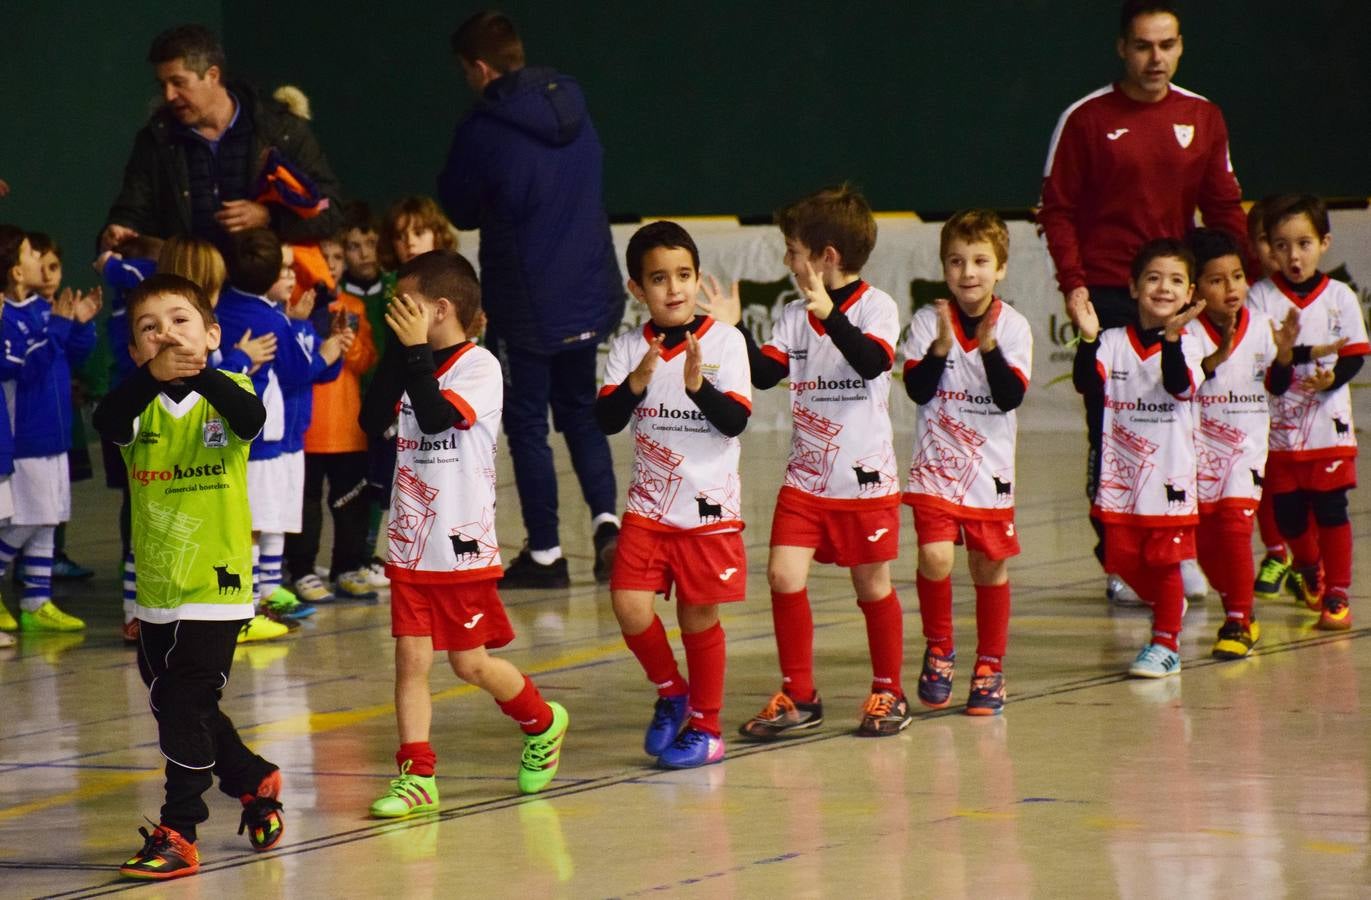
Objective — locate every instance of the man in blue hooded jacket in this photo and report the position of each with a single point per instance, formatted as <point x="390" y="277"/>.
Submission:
<point x="525" y="167"/>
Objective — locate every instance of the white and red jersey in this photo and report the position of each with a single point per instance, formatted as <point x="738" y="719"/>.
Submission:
<point x="1121" y="172"/>
<point x="1147" y="458"/>
<point x="964" y="453"/>
<point x="1317" y="425"/>
<point x="841" y="447"/>
<point x="685" y="471"/>
<point x="1234" y="413"/>
<point x="442" y="507"/>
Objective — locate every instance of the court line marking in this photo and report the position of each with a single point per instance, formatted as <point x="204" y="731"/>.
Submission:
<point x="377" y="829"/>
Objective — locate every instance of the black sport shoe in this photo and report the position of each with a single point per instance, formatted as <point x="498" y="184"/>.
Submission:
<point x="525" y="572"/>
<point x="884" y="714"/>
<point x="606" y="544"/>
<point x="782" y="716"/>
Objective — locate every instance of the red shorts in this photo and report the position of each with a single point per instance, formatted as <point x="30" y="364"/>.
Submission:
<point x="847" y="537"/>
<point x="1285" y="476"/>
<point x="1126" y="546"/>
<point x="461" y="616"/>
<point x="996" y="538"/>
<point x="705" y="568"/>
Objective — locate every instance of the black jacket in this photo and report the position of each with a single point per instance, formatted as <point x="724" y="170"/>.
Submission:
<point x="154" y="198"/>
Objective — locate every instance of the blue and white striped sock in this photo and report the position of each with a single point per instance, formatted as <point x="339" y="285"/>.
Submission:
<point x="272" y="547"/>
<point x="37" y="574"/>
<point x="130" y="588"/>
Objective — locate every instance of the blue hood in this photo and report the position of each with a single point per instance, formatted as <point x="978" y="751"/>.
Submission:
<point x="540" y="102"/>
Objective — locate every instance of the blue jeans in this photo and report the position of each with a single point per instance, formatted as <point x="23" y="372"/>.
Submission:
<point x="565" y="382"/>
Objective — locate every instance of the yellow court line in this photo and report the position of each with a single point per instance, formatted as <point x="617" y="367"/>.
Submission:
<point x="98" y="785"/>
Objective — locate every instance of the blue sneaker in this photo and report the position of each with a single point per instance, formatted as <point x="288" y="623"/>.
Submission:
<point x="1155" y="661"/>
<point x="694" y="748"/>
<point x="935" y="681"/>
<point x="668" y="716"/>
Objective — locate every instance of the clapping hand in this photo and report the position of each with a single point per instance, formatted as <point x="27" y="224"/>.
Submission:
<point x="694" y="364"/>
<point x="639" y="378"/>
<point x="1171" y="331"/>
<point x="79" y="306"/>
<point x="942" y="343"/>
<point x="985" y="332"/>
<point x="811" y="284"/>
<point x="725" y="308"/>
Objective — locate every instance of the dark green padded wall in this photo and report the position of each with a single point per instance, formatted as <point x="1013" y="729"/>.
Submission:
<point x="76" y="90"/>
<point x="734" y="107"/>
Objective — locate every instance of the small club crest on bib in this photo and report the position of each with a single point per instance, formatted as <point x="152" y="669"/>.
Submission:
<point x="1184" y="134"/>
<point x="215" y="436"/>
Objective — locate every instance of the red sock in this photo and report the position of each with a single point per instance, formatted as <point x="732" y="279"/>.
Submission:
<point x="1270" y="531"/>
<point x="420" y="756"/>
<point x="794" y="624"/>
<point x="1305" y="546"/>
<point x="1224" y="544"/>
<point x="885" y="640"/>
<point x="935" y="608"/>
<point x="992" y="623"/>
<point x="1164" y="591"/>
<point x="654" y="655"/>
<point x="705" y="660"/>
<point x="1335" y="543"/>
<point x="529" y="709"/>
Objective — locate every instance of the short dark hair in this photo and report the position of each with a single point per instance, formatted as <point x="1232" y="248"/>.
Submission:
<point x="1131" y="9"/>
<point x="1162" y="248"/>
<point x="446" y="273"/>
<point x="195" y="45"/>
<point x="162" y="283"/>
<point x="254" y="260"/>
<point x="652" y="236"/>
<point x="41" y="242"/>
<point x="1285" y="206"/>
<point x="12" y="238"/>
<point x="837" y="217"/>
<point x="490" y="36"/>
<point x="358" y="214"/>
<point x="1209" y="244"/>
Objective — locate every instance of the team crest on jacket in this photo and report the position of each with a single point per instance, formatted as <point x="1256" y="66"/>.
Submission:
<point x="1184" y="134"/>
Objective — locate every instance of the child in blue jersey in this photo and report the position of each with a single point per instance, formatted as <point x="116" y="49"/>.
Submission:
<point x="46" y="340"/>
<point x="255" y="264"/>
<point x="326" y="362"/>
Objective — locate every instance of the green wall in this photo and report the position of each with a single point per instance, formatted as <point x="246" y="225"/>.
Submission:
<point x="76" y="90"/>
<point x="714" y="107"/>
<point x="735" y="107"/>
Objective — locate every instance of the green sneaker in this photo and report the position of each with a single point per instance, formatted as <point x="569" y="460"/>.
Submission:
<point x="543" y="753"/>
<point x="408" y="794"/>
<point x="48" y="618"/>
<point x="286" y="605"/>
<point x="1271" y="577"/>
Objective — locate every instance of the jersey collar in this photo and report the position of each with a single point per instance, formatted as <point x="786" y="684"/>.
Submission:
<point x="452" y="360"/>
<point x="651" y="331"/>
<point x="1283" y="285"/>
<point x="1239" y="330"/>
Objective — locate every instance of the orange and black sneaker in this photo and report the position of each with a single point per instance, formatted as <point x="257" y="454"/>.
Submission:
<point x="783" y="716"/>
<point x="165" y="855"/>
<point x="884" y="714"/>
<point x="1336" y="614"/>
<point x="262" y="818"/>
<point x="1305" y="584"/>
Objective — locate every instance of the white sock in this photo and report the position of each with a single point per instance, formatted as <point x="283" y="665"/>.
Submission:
<point x="604" y="517"/>
<point x="546" y="557"/>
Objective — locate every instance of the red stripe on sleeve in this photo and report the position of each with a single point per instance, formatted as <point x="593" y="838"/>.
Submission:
<point x="1355" y="350"/>
<point x="746" y="403"/>
<point x="772" y="353"/>
<point x="463" y="409"/>
<point x="889" y="351"/>
<point x="1023" y="379"/>
<point x="608" y="389"/>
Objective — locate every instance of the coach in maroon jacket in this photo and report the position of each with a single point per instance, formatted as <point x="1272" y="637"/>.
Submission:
<point x="1128" y="163"/>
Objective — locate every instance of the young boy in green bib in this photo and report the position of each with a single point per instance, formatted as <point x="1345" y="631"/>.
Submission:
<point x="184" y="429"/>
